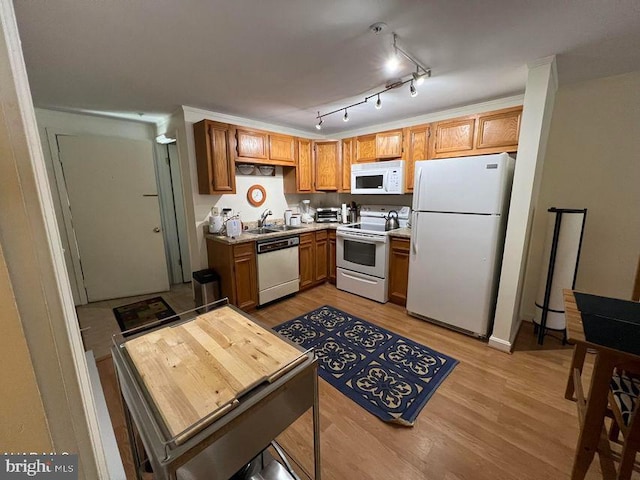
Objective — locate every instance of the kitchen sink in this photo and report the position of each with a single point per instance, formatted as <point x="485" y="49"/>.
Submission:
<point x="283" y="228"/>
<point x="262" y="230"/>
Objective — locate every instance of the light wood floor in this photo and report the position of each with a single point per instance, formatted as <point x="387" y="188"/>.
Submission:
<point x="496" y="416"/>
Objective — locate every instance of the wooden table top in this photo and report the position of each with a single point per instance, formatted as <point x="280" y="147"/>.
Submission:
<point x="575" y="329"/>
<point x="199" y="369"/>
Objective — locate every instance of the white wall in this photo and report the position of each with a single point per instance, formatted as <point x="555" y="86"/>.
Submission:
<point x="593" y="162"/>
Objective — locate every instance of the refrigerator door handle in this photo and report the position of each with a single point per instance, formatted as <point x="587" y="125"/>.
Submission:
<point x="418" y="187"/>
<point x="414" y="236"/>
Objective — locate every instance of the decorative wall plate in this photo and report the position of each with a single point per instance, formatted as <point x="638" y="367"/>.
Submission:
<point x="256" y="195"/>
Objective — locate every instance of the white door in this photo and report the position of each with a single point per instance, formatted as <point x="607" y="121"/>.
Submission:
<point x="113" y="199"/>
<point x="452" y="268"/>
<point x="477" y="184"/>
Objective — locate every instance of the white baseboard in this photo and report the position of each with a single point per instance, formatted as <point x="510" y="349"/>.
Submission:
<point x="499" y="344"/>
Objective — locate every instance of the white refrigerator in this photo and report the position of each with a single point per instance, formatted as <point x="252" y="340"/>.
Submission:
<point x="457" y="236"/>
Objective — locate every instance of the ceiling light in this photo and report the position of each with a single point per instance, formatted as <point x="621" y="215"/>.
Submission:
<point x="393" y="63"/>
<point x="164" y="140"/>
<point x="416" y="78"/>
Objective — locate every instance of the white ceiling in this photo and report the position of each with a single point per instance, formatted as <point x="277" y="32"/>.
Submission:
<point x="280" y="61"/>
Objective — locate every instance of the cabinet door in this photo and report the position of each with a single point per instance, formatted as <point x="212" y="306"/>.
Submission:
<point x="389" y="144"/>
<point x="214" y="160"/>
<point x="499" y="131"/>
<point x="417" y="149"/>
<point x="304" y="173"/>
<point x="332" y="256"/>
<point x="306" y="260"/>
<point x="398" y="270"/>
<point x="454" y="137"/>
<point x="365" y="149"/>
<point x="347" y="158"/>
<point x="327" y="160"/>
<point x="282" y="148"/>
<point x="252" y="144"/>
<point x="321" y="256"/>
<point x="245" y="276"/>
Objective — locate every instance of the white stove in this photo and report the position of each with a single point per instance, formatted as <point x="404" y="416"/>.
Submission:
<point x="362" y="252"/>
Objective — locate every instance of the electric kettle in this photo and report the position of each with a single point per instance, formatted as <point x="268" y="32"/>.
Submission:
<point x="392" y="221"/>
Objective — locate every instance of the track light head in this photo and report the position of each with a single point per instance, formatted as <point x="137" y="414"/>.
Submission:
<point x="418" y="77"/>
<point x="346" y="116"/>
<point x="412" y="90"/>
<point x="319" y="125"/>
<point x="378" y="103"/>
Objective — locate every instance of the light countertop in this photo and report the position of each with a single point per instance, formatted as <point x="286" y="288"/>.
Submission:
<point x="304" y="228"/>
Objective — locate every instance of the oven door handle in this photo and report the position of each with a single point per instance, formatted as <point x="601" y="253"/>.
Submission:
<point x="360" y="279"/>
<point x="363" y="237"/>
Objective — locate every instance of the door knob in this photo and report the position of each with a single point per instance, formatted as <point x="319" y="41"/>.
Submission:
<point x="157" y="229"/>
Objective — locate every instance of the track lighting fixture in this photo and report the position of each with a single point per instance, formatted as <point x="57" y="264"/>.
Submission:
<point x="416" y="78"/>
<point x="412" y="89"/>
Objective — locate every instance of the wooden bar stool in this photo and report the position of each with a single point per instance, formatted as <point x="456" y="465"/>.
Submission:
<point x="624" y="390"/>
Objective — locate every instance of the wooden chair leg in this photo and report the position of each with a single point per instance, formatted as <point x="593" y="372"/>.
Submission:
<point x="627" y="460"/>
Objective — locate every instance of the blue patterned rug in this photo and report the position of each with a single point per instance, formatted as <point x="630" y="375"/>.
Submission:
<point x="388" y="375"/>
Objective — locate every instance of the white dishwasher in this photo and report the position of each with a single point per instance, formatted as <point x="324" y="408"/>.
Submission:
<point x="278" y="272"/>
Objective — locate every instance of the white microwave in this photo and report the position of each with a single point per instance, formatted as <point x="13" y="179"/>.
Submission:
<point x="378" y="177"/>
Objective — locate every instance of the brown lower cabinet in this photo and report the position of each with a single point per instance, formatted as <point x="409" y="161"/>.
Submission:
<point x="236" y="265"/>
<point x="332" y="256"/>
<point x="398" y="270"/>
<point x="313" y="258"/>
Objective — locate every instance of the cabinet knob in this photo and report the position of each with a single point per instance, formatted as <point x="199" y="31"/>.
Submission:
<point x="157" y="229"/>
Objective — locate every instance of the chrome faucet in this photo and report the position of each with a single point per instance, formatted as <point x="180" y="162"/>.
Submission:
<point x="263" y="217"/>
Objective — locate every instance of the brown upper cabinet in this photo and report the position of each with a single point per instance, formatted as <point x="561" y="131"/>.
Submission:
<point x="376" y="146"/>
<point x="214" y="144"/>
<point x="328" y="165"/>
<point x="417" y="148"/>
<point x="480" y="134"/>
<point x="365" y="149"/>
<point x="305" y="172"/>
<point x="389" y="144"/>
<point x="318" y="168"/>
<point x="499" y="130"/>
<point x="282" y="148"/>
<point x="252" y="144"/>
<point x="347" y="159"/>
<point x="257" y="146"/>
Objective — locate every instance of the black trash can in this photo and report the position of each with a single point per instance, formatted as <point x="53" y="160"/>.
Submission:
<point x="206" y="288"/>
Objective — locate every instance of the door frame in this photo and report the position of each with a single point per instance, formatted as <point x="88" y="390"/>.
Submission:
<point x="172" y="197"/>
<point x="76" y="278"/>
<point x="37" y="271"/>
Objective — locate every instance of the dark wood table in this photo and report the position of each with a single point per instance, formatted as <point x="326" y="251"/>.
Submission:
<point x="592" y="409"/>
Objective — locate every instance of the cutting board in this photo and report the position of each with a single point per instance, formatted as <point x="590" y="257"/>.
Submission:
<point x="200" y="368"/>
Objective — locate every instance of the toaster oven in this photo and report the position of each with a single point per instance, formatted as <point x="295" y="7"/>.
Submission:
<point x="328" y="215"/>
